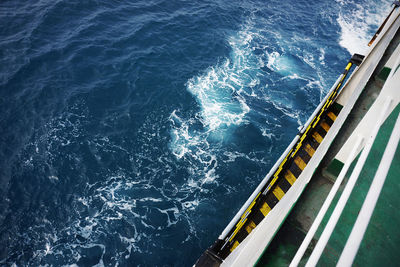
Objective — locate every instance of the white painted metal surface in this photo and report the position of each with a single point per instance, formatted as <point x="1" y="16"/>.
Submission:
<point x="326" y="234"/>
<point x="395" y="65"/>
<point x="391" y="63"/>
<point x="248" y="251"/>
<point x="310" y="234"/>
<point x="372" y="58"/>
<point x="390" y="88"/>
<point x="361" y="224"/>
<point x="235" y="219"/>
<point x="257" y="190"/>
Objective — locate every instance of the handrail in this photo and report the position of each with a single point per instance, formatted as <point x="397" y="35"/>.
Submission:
<point x="364" y="217"/>
<point x="396" y="4"/>
<point x="314" y="227"/>
<point x="253" y="196"/>
<point x="394" y="68"/>
<point x="326" y="234"/>
<point x="285" y="155"/>
<point x="290" y="152"/>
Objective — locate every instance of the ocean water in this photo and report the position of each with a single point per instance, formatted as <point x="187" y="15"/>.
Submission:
<point x="131" y="132"/>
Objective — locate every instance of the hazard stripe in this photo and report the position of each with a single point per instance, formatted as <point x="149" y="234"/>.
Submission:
<point x="278" y="192"/>
<point x="295" y="170"/>
<point x="300" y="163"/>
<point x="332" y="116"/>
<point x="265" y="209"/>
<point x="271" y="200"/>
<point x="314" y="144"/>
<point x="284" y="185"/>
<point x="329" y="121"/>
<point x="317" y="137"/>
<point x="234" y="246"/>
<point x="304" y="155"/>
<point x="250" y="226"/>
<point x="257" y="216"/>
<point x="310" y="151"/>
<point x="241" y="235"/>
<point x="325" y="126"/>
<point x="321" y="131"/>
<point x="290" y="177"/>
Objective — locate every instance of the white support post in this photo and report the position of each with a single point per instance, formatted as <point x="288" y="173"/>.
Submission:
<point x="310" y="234"/>
<point x="393" y="70"/>
<point x="326" y="234"/>
<point x="236" y="218"/>
<point x="357" y="234"/>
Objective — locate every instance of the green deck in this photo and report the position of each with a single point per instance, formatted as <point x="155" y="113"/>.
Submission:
<point x="381" y="242"/>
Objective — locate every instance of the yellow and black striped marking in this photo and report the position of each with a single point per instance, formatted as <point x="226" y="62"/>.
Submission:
<point x="285" y="179"/>
<point x="285" y="176"/>
<point x="287" y="173"/>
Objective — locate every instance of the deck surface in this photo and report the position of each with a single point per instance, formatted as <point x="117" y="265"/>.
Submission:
<point x="381" y="242"/>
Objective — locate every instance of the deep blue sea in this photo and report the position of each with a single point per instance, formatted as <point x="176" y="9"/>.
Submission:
<point x="131" y="132"/>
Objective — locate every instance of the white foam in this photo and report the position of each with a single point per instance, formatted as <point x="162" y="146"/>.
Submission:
<point x="358" y="22"/>
<point x="322" y="56"/>
<point x="190" y="205"/>
<point x="221" y="93"/>
<point x="152" y="199"/>
<point x="219" y="90"/>
<point x="271" y="59"/>
<point x="53" y="178"/>
<point x="183" y="140"/>
<point x="269" y="135"/>
<point x="47" y="249"/>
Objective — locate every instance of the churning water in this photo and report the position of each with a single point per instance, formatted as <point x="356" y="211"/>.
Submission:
<point x="132" y="131"/>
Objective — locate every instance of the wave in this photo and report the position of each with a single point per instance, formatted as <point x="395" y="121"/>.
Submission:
<point x="358" y="23"/>
<point x="221" y="96"/>
<point x="125" y="181"/>
<point x="144" y="202"/>
<point x="256" y="85"/>
<point x="223" y="92"/>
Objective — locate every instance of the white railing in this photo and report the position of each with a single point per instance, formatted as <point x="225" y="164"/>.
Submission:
<point x="325" y="206"/>
<point x="267" y="178"/>
<point x="361" y="224"/>
<point x="327" y="232"/>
